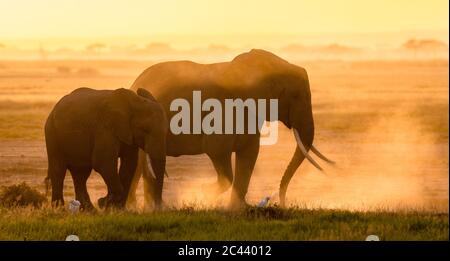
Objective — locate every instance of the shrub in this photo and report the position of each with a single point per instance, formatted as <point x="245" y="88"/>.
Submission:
<point x="21" y="195"/>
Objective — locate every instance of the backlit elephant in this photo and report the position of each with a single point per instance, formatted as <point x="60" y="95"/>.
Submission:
<point x="257" y="74"/>
<point x="91" y="129"/>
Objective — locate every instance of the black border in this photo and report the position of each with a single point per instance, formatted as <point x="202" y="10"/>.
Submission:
<point x="156" y="249"/>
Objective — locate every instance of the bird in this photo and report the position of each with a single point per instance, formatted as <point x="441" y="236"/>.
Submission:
<point x="74" y="206"/>
<point x="264" y="202"/>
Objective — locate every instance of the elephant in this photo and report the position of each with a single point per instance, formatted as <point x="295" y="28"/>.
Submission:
<point x="92" y="129"/>
<point x="256" y="74"/>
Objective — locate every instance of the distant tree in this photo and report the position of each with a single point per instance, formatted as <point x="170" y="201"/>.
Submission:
<point x="428" y="46"/>
<point x="338" y="49"/>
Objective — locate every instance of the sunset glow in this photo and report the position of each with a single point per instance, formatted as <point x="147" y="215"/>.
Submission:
<point x="51" y="19"/>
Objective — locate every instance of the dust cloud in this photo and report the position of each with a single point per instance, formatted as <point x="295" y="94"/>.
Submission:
<point x="388" y="167"/>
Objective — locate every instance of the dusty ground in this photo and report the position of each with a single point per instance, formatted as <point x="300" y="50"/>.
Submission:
<point x="385" y="123"/>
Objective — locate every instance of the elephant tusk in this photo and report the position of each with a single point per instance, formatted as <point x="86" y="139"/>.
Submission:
<point x="150" y="167"/>
<point x="165" y="172"/>
<point x="303" y="149"/>
<point x="320" y="155"/>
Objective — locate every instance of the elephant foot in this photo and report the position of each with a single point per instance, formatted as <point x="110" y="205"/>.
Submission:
<point x="90" y="210"/>
<point x="102" y="202"/>
<point x="86" y="204"/>
<point x="237" y="203"/>
<point x="109" y="202"/>
<point x="88" y="207"/>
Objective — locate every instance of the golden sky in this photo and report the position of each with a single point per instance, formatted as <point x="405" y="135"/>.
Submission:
<point x="102" y="18"/>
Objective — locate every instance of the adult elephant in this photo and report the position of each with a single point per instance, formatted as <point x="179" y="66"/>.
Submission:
<point x="257" y="74"/>
<point x="91" y="129"/>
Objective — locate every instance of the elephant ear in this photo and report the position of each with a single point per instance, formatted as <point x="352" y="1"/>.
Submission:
<point x="146" y="94"/>
<point x="116" y="114"/>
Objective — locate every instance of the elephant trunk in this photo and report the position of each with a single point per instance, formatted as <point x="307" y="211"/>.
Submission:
<point x="304" y="140"/>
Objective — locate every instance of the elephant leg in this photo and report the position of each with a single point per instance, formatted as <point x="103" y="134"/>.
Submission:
<point x="115" y="189"/>
<point x="245" y="163"/>
<point x="56" y="167"/>
<point x="80" y="176"/>
<point x="57" y="173"/>
<point x="128" y="164"/>
<point x="222" y="165"/>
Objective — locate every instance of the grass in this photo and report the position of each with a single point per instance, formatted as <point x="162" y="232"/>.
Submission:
<point x="270" y="223"/>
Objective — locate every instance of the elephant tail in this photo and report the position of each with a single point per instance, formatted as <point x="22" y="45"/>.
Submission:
<point x="47" y="183"/>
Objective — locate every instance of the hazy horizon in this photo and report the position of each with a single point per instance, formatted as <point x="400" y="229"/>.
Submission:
<point x="232" y="40"/>
<point x="207" y="48"/>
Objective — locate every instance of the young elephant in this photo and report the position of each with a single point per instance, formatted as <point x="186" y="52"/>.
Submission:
<point x="90" y="129"/>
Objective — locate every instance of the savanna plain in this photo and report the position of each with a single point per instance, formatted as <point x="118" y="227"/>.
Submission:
<point x="385" y="123"/>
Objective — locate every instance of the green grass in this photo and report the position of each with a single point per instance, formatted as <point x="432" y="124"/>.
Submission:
<point x="215" y="224"/>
